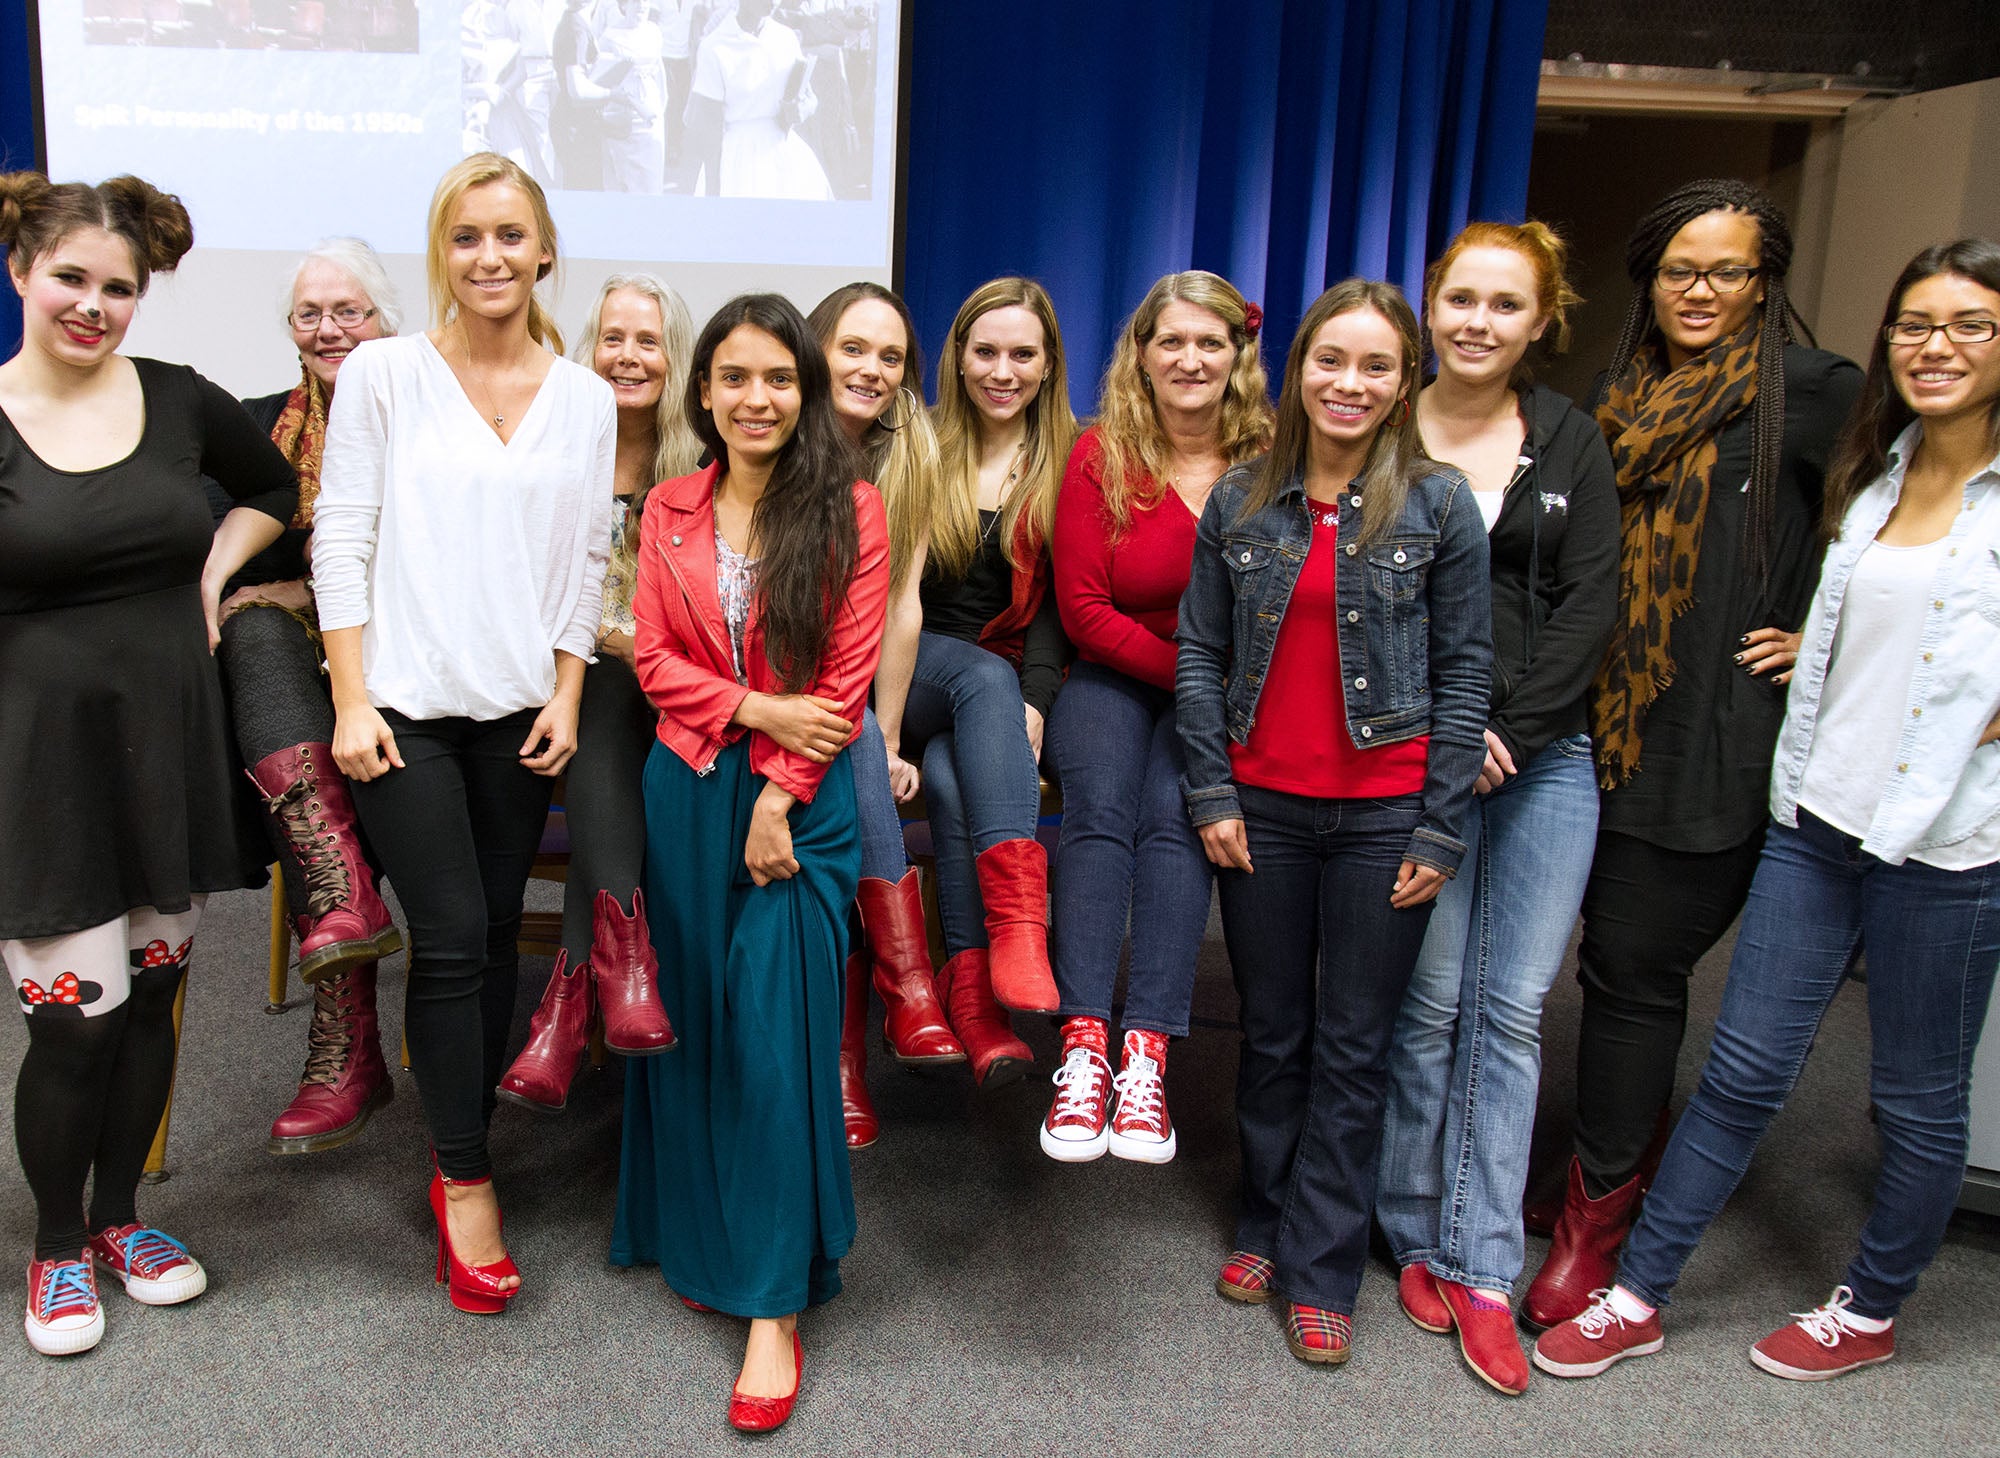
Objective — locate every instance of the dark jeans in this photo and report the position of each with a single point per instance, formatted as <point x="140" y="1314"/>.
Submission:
<point x="1649" y="914"/>
<point x="603" y="798"/>
<point x="456" y="829"/>
<point x="1321" y="962"/>
<point x="1127" y="852"/>
<point x="883" y="855"/>
<point x="1933" y="941"/>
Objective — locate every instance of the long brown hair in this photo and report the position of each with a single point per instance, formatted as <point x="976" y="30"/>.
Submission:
<point x="1395" y="456"/>
<point x="459" y="179"/>
<point x="36" y="215"/>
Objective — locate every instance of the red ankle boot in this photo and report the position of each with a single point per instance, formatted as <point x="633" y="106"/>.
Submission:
<point x="892" y="913"/>
<point x="981" y="1023"/>
<point x="627" y="973"/>
<point x="308" y="798"/>
<point x="1014" y="884"/>
<point x="1583" y="1253"/>
<point x="857" y="1111"/>
<point x="540" y="1077"/>
<point x="345" y="1079"/>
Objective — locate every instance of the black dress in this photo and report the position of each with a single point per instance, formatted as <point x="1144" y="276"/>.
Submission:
<point x="116" y="773"/>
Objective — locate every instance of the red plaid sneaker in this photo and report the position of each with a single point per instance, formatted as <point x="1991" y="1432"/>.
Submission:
<point x="1317" y="1335"/>
<point x="1246" y="1278"/>
<point x="1823" y="1343"/>
<point x="63" y="1314"/>
<point x="1074" y="1130"/>
<point x="1141" y="1129"/>
<point x="155" y="1268"/>
<point x="1585" y="1345"/>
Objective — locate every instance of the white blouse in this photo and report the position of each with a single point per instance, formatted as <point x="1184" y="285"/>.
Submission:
<point x="467" y="561"/>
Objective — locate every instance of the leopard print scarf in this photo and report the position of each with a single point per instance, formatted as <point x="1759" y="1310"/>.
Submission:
<point x="1662" y="426"/>
<point x="301" y="434"/>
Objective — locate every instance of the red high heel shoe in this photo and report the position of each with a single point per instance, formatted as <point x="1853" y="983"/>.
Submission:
<point x="473" y="1288"/>
<point x="761" y="1414"/>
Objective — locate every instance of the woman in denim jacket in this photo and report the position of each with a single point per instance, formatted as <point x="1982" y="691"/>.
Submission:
<point x="1885" y="839"/>
<point x="1334" y="805"/>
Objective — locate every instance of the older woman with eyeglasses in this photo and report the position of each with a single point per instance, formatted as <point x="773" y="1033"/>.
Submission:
<point x="283" y="718"/>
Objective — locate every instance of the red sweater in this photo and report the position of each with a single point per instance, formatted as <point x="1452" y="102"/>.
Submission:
<point x="1300" y="743"/>
<point x="1120" y="601"/>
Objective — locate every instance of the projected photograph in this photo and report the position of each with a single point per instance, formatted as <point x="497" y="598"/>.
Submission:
<point x="254" y="25"/>
<point x="695" y="98"/>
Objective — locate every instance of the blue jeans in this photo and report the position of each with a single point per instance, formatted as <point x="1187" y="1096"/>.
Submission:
<point x="1127" y="852"/>
<point x="883" y="857"/>
<point x="1932" y="939"/>
<point x="1321" y="963"/>
<point x="1466" y="1063"/>
<point x="980" y="780"/>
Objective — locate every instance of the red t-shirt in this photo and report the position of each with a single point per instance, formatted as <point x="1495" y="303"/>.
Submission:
<point x="1300" y="743"/>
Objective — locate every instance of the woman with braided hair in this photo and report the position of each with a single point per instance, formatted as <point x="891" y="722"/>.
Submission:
<point x="1720" y="429"/>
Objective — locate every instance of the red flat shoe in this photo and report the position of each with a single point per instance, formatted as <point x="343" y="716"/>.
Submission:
<point x="762" y="1414"/>
<point x="473" y="1288"/>
<point x="1486" y="1337"/>
<point x="1419" y="1292"/>
<point x="693" y="1305"/>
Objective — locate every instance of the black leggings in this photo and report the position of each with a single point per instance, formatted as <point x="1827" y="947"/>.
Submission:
<point x="277" y="695"/>
<point x="603" y="799"/>
<point x="1649" y="914"/>
<point x="456" y="830"/>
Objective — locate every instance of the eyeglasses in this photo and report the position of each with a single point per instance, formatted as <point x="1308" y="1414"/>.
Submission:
<point x="1914" y="333"/>
<point x="1731" y="278"/>
<point x="307" y="320"/>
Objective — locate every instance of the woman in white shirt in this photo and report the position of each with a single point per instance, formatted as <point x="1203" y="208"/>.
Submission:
<point x="1885" y="839"/>
<point x="460" y="545"/>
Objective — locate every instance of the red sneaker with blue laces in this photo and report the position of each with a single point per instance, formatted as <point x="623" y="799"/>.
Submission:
<point x="63" y="1314"/>
<point x="155" y="1268"/>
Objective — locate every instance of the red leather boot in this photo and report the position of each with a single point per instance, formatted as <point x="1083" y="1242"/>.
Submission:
<point x="1583" y="1253"/>
<point x="628" y="987"/>
<point x="345" y="1079"/>
<point x="857" y="1111"/>
<point x="892" y="914"/>
<point x="981" y="1024"/>
<point x="308" y="798"/>
<point x="1014" y="884"/>
<point x="539" y="1077"/>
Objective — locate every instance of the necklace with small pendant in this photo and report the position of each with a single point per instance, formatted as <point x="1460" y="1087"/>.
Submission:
<point x="479" y="379"/>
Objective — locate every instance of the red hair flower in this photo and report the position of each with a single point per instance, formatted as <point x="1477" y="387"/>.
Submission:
<point x="1253" y="320"/>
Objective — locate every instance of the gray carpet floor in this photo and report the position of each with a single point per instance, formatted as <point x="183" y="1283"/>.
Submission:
<point x="996" y="1302"/>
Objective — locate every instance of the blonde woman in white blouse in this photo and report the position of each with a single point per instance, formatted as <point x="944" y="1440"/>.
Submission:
<point x="463" y="526"/>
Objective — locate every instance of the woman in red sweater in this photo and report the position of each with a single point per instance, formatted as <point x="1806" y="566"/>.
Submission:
<point x="1184" y="400"/>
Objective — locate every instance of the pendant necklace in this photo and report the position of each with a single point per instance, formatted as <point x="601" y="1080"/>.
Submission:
<point x="498" y="419"/>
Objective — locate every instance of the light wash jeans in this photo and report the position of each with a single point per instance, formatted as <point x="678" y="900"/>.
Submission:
<point x="1466" y="1061"/>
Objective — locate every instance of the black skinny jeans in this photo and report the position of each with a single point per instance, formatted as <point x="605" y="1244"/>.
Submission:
<point x="1649" y="914"/>
<point x="604" y="800"/>
<point x="456" y="830"/>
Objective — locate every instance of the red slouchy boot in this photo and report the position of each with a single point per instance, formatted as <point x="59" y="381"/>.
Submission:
<point x="1583" y="1254"/>
<point x="1014" y="884"/>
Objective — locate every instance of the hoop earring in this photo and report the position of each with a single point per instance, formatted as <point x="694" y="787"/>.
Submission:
<point x="1404" y="419"/>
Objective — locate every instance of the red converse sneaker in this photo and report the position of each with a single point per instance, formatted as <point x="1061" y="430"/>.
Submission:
<point x="1141" y="1129"/>
<point x="1585" y="1345"/>
<point x="155" y="1268"/>
<point x="1823" y="1343"/>
<point x="1246" y="1278"/>
<point x="63" y="1314"/>
<point x="1317" y="1335"/>
<point x="1074" y="1130"/>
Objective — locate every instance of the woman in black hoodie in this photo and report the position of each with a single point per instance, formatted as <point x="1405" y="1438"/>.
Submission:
<point x="1465" y="1063"/>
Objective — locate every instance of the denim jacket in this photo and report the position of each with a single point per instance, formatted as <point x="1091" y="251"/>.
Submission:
<point x="1945" y="785"/>
<point x="1422" y="662"/>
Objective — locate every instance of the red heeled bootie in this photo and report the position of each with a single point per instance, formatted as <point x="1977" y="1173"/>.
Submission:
<point x="473" y="1288"/>
<point x="308" y="798"/>
<point x="539" y="1077"/>
<point x="981" y="1024"/>
<point x="627" y="973"/>
<point x="1014" y="884"/>
<point x="345" y="1079"/>
<point x="857" y="1112"/>
<point x="1583" y="1253"/>
<point x="913" y="1024"/>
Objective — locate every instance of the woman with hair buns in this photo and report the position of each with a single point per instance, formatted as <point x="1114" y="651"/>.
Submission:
<point x="116" y="778"/>
<point x="1720" y="430"/>
<point x="459" y="548"/>
<point x="1465" y="1063"/>
<point x="1184" y="400"/>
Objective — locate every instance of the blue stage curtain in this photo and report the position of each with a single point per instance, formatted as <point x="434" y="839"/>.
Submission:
<point x="17" y="136"/>
<point x="1284" y="144"/>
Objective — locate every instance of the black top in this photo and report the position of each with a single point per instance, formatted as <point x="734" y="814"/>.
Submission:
<point x="285" y="559"/>
<point x="961" y="608"/>
<point x="1705" y="762"/>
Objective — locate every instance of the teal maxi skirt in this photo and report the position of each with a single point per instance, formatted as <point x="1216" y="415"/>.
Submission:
<point x="733" y="1178"/>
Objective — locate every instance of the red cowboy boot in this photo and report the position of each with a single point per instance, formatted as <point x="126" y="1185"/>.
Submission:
<point x="981" y="1024"/>
<point x="627" y="972"/>
<point x="1583" y="1253"/>
<point x="308" y="798"/>
<point x="345" y="1079"/>
<point x="1014" y="884"/>
<point x="540" y="1075"/>
<point x="857" y="1111"/>
<point x="892" y="914"/>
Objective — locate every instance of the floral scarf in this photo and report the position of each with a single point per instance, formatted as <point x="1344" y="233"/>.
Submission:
<point x="301" y="435"/>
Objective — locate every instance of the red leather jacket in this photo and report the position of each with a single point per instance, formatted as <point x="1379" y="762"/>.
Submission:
<point x="683" y="652"/>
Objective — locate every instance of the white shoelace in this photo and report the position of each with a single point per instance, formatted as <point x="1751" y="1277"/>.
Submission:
<point x="1827" y="1324"/>
<point x="1141" y="1091"/>
<point x="1079" y="1084"/>
<point x="1599" y="1317"/>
